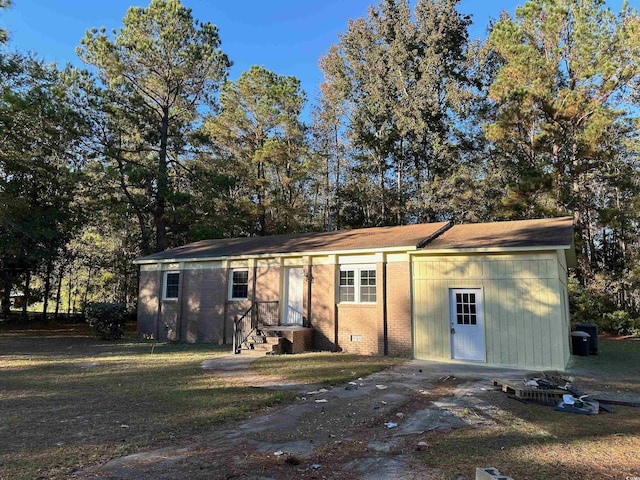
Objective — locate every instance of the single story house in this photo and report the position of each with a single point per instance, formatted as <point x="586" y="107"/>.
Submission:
<point x="493" y="293"/>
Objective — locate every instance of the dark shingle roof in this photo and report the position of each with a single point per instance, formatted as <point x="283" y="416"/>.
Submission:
<point x="551" y="232"/>
<point x="361" y="239"/>
<point x="520" y="233"/>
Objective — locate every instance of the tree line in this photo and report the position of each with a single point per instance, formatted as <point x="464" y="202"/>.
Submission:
<point x="151" y="146"/>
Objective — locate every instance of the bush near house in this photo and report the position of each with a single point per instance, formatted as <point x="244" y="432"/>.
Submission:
<point x="107" y="319"/>
<point x="593" y="304"/>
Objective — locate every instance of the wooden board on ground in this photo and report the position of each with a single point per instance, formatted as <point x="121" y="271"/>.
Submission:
<point x="549" y="396"/>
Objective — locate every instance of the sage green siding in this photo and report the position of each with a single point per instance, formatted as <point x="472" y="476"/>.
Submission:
<point x="526" y="319"/>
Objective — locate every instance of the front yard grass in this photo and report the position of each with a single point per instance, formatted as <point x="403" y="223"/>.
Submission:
<point x="69" y="401"/>
<point x="534" y="442"/>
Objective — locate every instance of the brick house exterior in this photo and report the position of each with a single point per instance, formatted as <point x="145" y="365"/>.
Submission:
<point x="368" y="291"/>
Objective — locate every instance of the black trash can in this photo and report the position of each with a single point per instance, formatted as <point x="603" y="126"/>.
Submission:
<point x="591" y="329"/>
<point x="580" y="343"/>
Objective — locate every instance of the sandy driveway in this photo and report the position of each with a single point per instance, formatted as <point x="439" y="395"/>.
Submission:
<point x="371" y="429"/>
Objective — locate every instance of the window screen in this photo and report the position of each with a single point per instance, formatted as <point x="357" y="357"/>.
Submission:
<point x="347" y="286"/>
<point x="171" y="283"/>
<point x="240" y="284"/>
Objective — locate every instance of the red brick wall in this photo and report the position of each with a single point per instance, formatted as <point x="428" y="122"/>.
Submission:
<point x="267" y="284"/>
<point x="323" y="295"/>
<point x="204" y="293"/>
<point x="361" y="325"/>
<point x="360" y="328"/>
<point x="147" y="324"/>
<point x="399" y="329"/>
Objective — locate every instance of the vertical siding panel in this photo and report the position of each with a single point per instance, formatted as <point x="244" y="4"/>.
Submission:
<point x="512" y="319"/>
<point x="538" y="325"/>
<point x="438" y="338"/>
<point x="489" y="320"/>
<point x="528" y="320"/>
<point x="546" y="322"/>
<point x="504" y="321"/>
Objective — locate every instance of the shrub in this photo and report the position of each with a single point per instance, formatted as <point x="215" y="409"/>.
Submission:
<point x="620" y="322"/>
<point x="107" y="319"/>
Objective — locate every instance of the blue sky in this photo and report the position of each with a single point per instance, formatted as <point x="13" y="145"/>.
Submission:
<point x="286" y="36"/>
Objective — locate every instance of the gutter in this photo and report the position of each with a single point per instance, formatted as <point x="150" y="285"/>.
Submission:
<point x="319" y="253"/>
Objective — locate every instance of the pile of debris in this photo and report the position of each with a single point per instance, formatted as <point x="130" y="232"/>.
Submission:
<point x="552" y="388"/>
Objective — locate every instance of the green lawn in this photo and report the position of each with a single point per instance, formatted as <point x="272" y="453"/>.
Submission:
<point x="69" y="400"/>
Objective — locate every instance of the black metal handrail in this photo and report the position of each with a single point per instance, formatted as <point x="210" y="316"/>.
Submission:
<point x="259" y="314"/>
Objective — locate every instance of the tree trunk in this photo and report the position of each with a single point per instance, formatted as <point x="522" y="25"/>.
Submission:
<point x="58" y="290"/>
<point x="159" y="218"/>
<point x="47" y="287"/>
<point x="27" y="294"/>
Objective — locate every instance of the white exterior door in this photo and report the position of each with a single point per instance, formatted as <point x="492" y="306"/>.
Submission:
<point x="467" y="324"/>
<point x="294" y="296"/>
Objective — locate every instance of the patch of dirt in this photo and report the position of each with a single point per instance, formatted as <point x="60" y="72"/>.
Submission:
<point x="375" y="428"/>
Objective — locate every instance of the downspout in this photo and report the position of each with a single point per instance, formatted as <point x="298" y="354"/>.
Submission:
<point x="159" y="279"/>
<point x="385" y="324"/>
<point x="254" y="283"/>
<point x="309" y="292"/>
<point x="180" y="304"/>
<point x="226" y="297"/>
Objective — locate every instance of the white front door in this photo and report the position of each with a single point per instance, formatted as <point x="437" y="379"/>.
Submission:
<point x="294" y="296"/>
<point x="467" y="324"/>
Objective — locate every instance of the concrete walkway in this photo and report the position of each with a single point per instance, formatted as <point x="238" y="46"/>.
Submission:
<point x="371" y="428"/>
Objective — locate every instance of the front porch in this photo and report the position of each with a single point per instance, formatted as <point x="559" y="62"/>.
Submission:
<point x="261" y="328"/>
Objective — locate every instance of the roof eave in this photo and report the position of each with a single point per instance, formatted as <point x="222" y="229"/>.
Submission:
<point x="314" y="253"/>
<point x="491" y="249"/>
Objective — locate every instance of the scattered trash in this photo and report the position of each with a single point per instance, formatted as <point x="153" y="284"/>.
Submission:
<point x="353" y="383"/>
<point x="316" y="466"/>
<point x="390" y="425"/>
<point x="400" y="415"/>
<point x="278" y="453"/>
<point x="383" y="402"/>
<point x="581" y="405"/>
<point x="552" y="388"/>
<point x="423" y="444"/>
<point x="124" y="426"/>
<point x="425" y="392"/>
<point x="381" y="387"/>
<point x="322" y="400"/>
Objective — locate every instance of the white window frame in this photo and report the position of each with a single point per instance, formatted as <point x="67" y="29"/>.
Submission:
<point x="357" y="273"/>
<point x="231" y="283"/>
<point x="165" y="284"/>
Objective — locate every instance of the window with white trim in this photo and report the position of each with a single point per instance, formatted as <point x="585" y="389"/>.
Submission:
<point x="171" y="285"/>
<point x="239" y="285"/>
<point x="357" y="284"/>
